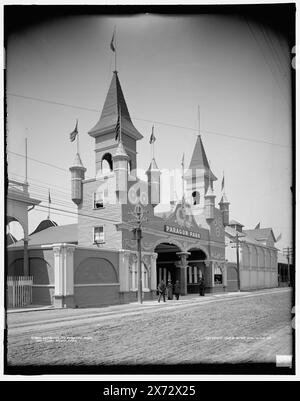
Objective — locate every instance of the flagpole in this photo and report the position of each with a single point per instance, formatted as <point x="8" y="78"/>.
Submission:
<point x="115" y="48"/>
<point x="26" y="161"/>
<point x="199" y="119"/>
<point x="77" y="136"/>
<point x="182" y="177"/>
<point x="120" y="136"/>
<point x="153" y="142"/>
<point x="48" y="204"/>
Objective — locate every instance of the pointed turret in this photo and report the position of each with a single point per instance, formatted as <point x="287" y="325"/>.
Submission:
<point x="199" y="160"/>
<point x="104" y="130"/>
<point x="210" y="204"/>
<point x="77" y="175"/>
<point x="153" y="174"/>
<point x="120" y="161"/>
<point x="224" y="207"/>
<point x="199" y="175"/>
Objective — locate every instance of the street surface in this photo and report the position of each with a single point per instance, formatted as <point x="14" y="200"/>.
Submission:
<point x="225" y="328"/>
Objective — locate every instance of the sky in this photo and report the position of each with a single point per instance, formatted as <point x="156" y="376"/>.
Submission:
<point x="236" y="69"/>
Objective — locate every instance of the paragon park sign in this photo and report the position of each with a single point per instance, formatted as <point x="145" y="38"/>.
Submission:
<point x="182" y="231"/>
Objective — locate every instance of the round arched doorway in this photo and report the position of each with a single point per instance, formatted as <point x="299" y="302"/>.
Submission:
<point x="195" y="270"/>
<point x="167" y="260"/>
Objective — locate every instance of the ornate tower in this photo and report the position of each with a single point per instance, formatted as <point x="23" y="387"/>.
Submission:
<point x="77" y="176"/>
<point x="224" y="207"/>
<point x="199" y="178"/>
<point x="104" y="131"/>
<point x="153" y="175"/>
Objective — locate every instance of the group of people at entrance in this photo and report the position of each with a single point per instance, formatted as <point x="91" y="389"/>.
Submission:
<point x="168" y="290"/>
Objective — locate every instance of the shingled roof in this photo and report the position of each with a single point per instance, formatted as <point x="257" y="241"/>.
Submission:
<point x="199" y="159"/>
<point x="261" y="234"/>
<point x="115" y="101"/>
<point x="52" y="235"/>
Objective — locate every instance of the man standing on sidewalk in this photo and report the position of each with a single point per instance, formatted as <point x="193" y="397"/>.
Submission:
<point x="161" y="290"/>
<point x="201" y="287"/>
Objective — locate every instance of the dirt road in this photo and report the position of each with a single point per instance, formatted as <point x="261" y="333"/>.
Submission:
<point x="251" y="327"/>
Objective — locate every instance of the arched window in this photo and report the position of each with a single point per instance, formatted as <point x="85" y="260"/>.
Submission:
<point x="196" y="198"/>
<point x="106" y="163"/>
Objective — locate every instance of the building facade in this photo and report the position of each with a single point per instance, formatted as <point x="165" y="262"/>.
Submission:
<point x="95" y="262"/>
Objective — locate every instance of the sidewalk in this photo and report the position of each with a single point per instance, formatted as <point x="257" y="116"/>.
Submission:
<point x="189" y="298"/>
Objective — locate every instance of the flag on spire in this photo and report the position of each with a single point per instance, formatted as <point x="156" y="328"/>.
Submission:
<point x="112" y="43"/>
<point x="117" y="129"/>
<point x="74" y="132"/>
<point x="223" y="183"/>
<point x="152" y="137"/>
<point x="257" y="227"/>
<point x="49" y="197"/>
<point x="279" y="237"/>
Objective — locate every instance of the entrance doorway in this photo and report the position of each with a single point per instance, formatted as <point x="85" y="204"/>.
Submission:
<point x="166" y="263"/>
<point x="196" y="270"/>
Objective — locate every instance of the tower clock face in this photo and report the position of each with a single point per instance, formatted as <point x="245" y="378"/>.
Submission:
<point x="218" y="225"/>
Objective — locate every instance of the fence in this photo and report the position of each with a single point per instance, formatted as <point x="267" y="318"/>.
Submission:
<point x="19" y="291"/>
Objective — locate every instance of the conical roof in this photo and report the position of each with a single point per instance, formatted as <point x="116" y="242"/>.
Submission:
<point x="77" y="161"/>
<point x="120" y="151"/>
<point x="153" y="165"/>
<point x="114" y="103"/>
<point x="77" y="164"/>
<point x="43" y="225"/>
<point x="199" y="159"/>
<point x="210" y="192"/>
<point x="224" y="199"/>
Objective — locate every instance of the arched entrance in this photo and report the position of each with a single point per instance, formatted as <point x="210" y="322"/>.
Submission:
<point x="195" y="270"/>
<point x="167" y="262"/>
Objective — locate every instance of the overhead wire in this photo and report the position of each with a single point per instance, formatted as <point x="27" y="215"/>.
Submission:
<point x="152" y="121"/>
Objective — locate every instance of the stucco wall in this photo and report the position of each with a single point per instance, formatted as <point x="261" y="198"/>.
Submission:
<point x="96" y="277"/>
<point x="41" y="267"/>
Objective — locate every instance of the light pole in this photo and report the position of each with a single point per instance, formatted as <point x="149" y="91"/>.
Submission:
<point x="236" y="241"/>
<point x="139" y="218"/>
<point x="288" y="252"/>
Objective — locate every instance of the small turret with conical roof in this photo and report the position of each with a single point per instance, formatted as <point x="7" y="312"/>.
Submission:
<point x="153" y="174"/>
<point x="77" y="175"/>
<point x="209" y="198"/>
<point x="224" y="207"/>
<point x="120" y="160"/>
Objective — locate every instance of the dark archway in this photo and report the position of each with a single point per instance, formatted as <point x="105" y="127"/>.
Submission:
<point x="196" y="269"/>
<point x="107" y="163"/>
<point x="166" y="262"/>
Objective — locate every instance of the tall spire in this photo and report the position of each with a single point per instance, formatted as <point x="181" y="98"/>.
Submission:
<point x="199" y="159"/>
<point x="114" y="102"/>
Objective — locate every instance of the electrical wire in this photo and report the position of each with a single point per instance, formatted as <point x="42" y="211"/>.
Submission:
<point x="153" y="121"/>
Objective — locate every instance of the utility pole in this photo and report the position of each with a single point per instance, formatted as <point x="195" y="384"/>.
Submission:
<point x="236" y="241"/>
<point x="288" y="252"/>
<point x="137" y="231"/>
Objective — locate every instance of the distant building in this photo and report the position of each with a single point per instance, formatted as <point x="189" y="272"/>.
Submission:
<point x="257" y="257"/>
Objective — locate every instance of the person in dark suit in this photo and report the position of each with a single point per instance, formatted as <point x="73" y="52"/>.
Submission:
<point x="177" y="289"/>
<point x="201" y="287"/>
<point x="170" y="290"/>
<point x="161" y="291"/>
